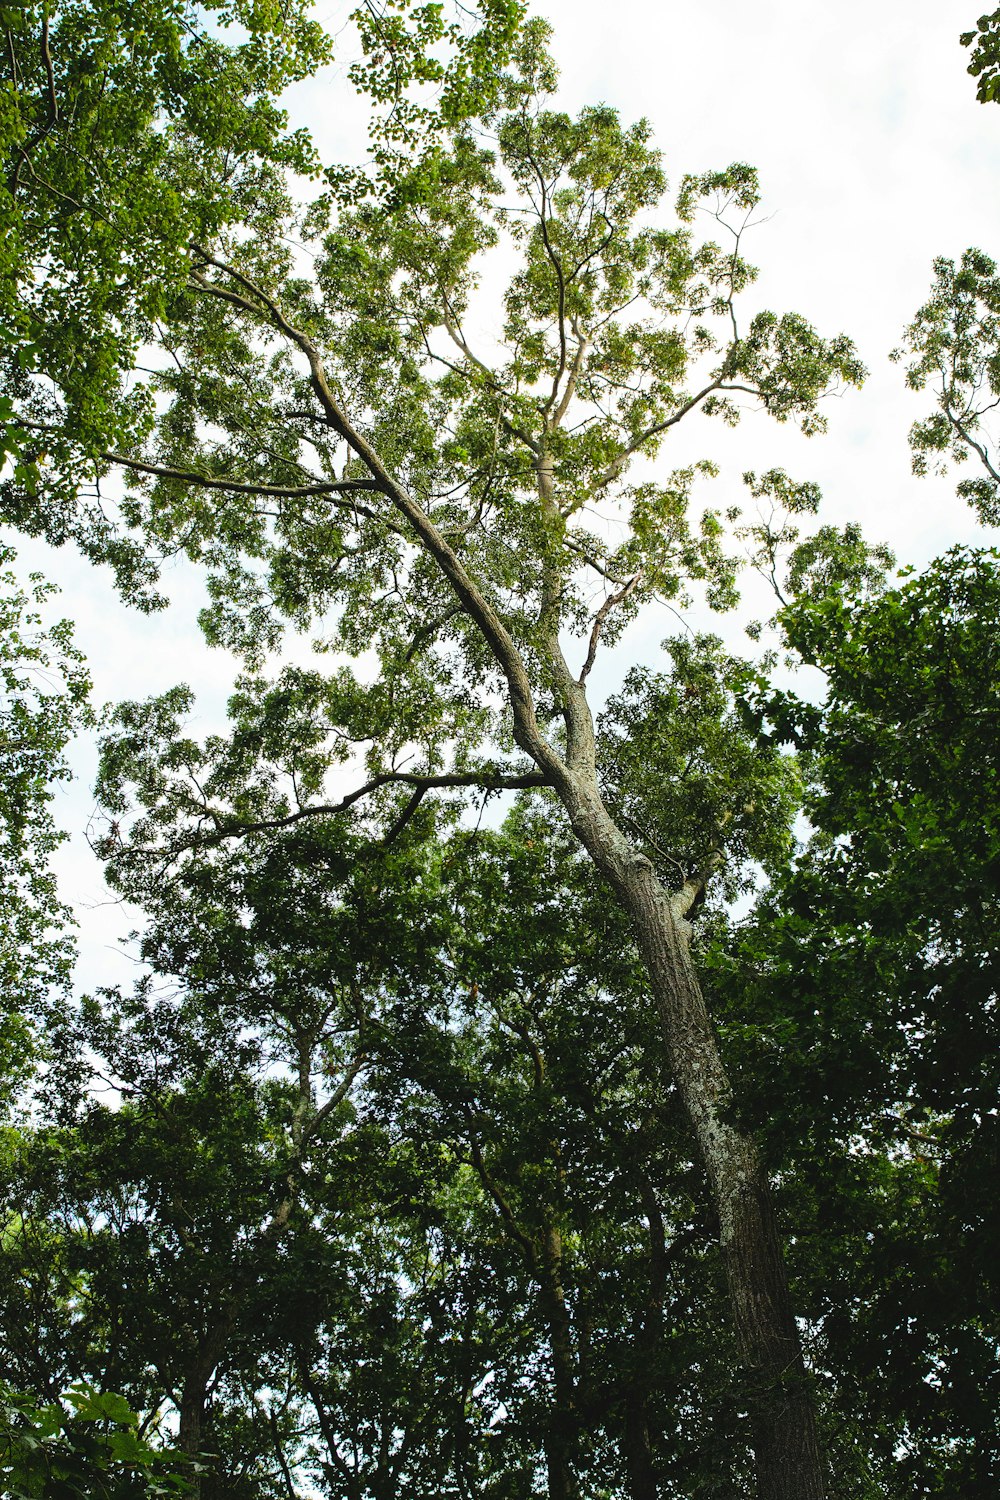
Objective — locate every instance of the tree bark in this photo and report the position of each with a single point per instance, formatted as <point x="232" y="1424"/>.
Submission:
<point x="191" y="1415"/>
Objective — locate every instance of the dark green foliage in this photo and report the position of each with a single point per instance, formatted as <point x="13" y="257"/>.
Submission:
<point x="367" y="1290"/>
<point x="871" y="973"/>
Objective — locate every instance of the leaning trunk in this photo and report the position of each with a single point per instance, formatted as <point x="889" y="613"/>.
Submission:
<point x="787" y="1457"/>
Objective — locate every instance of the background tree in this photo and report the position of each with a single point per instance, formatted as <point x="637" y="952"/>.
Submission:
<point x="460" y="1279"/>
<point x="881" y="943"/>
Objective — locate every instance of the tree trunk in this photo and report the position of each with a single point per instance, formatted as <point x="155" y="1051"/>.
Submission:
<point x="191" y="1414"/>
<point x="636" y="1447"/>
<point x="789" y="1465"/>
<point x="635" y="1442"/>
<point x="194" y="1391"/>
<point x="561" y="1438"/>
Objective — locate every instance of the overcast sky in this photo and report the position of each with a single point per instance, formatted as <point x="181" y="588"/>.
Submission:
<point x="874" y="157"/>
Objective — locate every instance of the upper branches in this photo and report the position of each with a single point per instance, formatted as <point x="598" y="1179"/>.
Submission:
<point x="340" y="447"/>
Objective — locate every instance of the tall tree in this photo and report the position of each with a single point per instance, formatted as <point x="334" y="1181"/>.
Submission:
<point x="340" y="444"/>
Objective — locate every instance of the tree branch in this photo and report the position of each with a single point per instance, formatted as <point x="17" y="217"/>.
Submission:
<point x="424" y="783"/>
<point x="616" y="465"/>
<point x="458" y="338"/>
<point x="527" y="731"/>
<point x="337" y="1097"/>
<point x="240" y="486"/>
<point x="979" y="448"/>
<point x="504" y="1209"/>
<point x="599" y="619"/>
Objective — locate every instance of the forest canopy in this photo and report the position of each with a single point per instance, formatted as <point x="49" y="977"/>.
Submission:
<point x="525" y="1089"/>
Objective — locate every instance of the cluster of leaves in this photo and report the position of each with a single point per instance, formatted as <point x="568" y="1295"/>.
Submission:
<point x="391" y="1214"/>
<point x="954" y="345"/>
<point x="137" y="126"/>
<point x="130" y="133"/>
<point x="85" y="1445"/>
<point x="984" y="65"/>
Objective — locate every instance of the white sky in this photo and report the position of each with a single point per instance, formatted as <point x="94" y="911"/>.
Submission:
<point x="873" y="156"/>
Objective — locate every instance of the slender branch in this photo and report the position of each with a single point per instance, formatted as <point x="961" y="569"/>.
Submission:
<point x="425" y="783"/>
<point x="458" y="338"/>
<point x="520" y="1030"/>
<point x="239" y="486"/>
<point x="616" y="465"/>
<point x="561" y="282"/>
<point x="279" y="1449"/>
<point x="911" y="1130"/>
<point x="426" y="632"/>
<point x="527" y="731"/>
<point x="683" y="900"/>
<point x="500" y="1202"/>
<point x="581" y="348"/>
<point x="979" y="448"/>
<point x="50" y="76"/>
<point x="398" y="824"/>
<point x="599" y="619"/>
<point x="337" y="1097"/>
<point x="13" y="58"/>
<point x="591" y="561"/>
